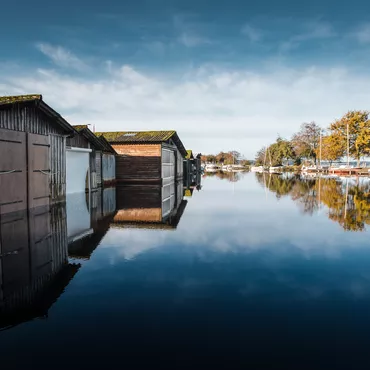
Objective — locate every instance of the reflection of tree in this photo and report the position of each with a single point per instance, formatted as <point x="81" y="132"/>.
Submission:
<point x="277" y="184"/>
<point x="230" y="176"/>
<point x="348" y="204"/>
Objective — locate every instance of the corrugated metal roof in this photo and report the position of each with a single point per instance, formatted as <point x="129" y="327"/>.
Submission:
<point x="137" y="136"/>
<point x="19" y="98"/>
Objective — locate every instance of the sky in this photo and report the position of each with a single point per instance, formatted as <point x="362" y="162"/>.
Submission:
<point x="227" y="75"/>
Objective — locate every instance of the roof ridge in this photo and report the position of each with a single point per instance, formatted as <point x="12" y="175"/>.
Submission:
<point x="19" y="98"/>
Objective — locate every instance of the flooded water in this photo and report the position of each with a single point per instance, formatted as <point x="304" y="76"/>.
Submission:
<point x="253" y="269"/>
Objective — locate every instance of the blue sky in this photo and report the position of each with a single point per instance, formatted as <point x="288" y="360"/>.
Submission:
<point x="225" y="74"/>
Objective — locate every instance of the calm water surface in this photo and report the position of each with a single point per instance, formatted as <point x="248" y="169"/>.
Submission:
<point x="266" y="271"/>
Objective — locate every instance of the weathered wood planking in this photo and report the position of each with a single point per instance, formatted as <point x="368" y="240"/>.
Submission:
<point x="28" y="118"/>
<point x="138" y="168"/>
<point x="39" y="172"/>
<point x="13" y="171"/>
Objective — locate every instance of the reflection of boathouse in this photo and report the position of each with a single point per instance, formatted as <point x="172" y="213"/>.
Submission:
<point x="149" y="207"/>
<point x="33" y="263"/>
<point x="94" y="216"/>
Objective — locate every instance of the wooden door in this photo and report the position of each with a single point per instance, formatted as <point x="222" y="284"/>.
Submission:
<point x="13" y="171"/>
<point x="38" y="170"/>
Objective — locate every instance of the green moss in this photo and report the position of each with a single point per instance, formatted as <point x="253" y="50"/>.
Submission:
<point x="189" y="154"/>
<point x="136" y="136"/>
<point x="79" y="127"/>
<point x="19" y="98"/>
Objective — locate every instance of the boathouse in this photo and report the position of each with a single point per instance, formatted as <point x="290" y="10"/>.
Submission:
<point x="108" y="163"/>
<point x="84" y="152"/>
<point x="32" y="153"/>
<point x="152" y="157"/>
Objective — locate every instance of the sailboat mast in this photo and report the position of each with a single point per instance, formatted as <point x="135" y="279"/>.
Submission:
<point x="270" y="159"/>
<point x="264" y="161"/>
<point x="320" y="146"/>
<point x="347" y="145"/>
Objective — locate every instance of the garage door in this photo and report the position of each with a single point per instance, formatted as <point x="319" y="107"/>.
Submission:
<point x="77" y="170"/>
<point x="13" y="171"/>
<point x="23" y="157"/>
<point x="168" y="178"/>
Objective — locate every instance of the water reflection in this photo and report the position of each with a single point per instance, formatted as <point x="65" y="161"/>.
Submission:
<point x="93" y="213"/>
<point x="33" y="263"/>
<point x="35" y="244"/>
<point x="225" y="175"/>
<point x="244" y="279"/>
<point x="346" y="200"/>
<point x="150" y="206"/>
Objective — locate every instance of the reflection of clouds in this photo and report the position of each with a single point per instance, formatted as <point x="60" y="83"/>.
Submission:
<point x="132" y="242"/>
<point x="239" y="222"/>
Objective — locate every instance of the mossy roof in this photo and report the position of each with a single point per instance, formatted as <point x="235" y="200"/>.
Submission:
<point x="79" y="127"/>
<point x="19" y="98"/>
<point x="6" y="101"/>
<point x="137" y="136"/>
<point x="189" y="154"/>
<point x="141" y="137"/>
<point x="188" y="193"/>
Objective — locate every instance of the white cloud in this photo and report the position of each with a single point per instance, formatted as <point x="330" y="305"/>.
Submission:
<point x="189" y="31"/>
<point x="253" y="34"/>
<point x="191" y="40"/>
<point x="211" y="109"/>
<point x="363" y="33"/>
<point x="61" y="56"/>
<point x="314" y="30"/>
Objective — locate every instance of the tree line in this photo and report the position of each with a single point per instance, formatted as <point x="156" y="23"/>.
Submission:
<point x="231" y="157"/>
<point x="351" y="134"/>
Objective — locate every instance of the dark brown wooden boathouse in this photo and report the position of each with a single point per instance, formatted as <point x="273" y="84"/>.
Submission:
<point x="32" y="153"/>
<point x="154" y="157"/>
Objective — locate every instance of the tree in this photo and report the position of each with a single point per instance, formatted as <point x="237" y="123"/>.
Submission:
<point x="357" y="125"/>
<point x="332" y="148"/>
<point x="280" y="151"/>
<point x="306" y="141"/>
<point x="245" y="162"/>
<point x="234" y="156"/>
<point x="210" y="158"/>
<point x="260" y="157"/>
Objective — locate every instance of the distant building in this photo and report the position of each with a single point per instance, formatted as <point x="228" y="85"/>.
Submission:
<point x="151" y="157"/>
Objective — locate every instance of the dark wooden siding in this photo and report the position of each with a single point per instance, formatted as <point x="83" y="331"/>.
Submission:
<point x="108" y="168"/>
<point x="138" y="169"/>
<point x="98" y="161"/>
<point x="78" y="141"/>
<point x="13" y="171"/>
<point x="28" y="118"/>
<point x="58" y="168"/>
